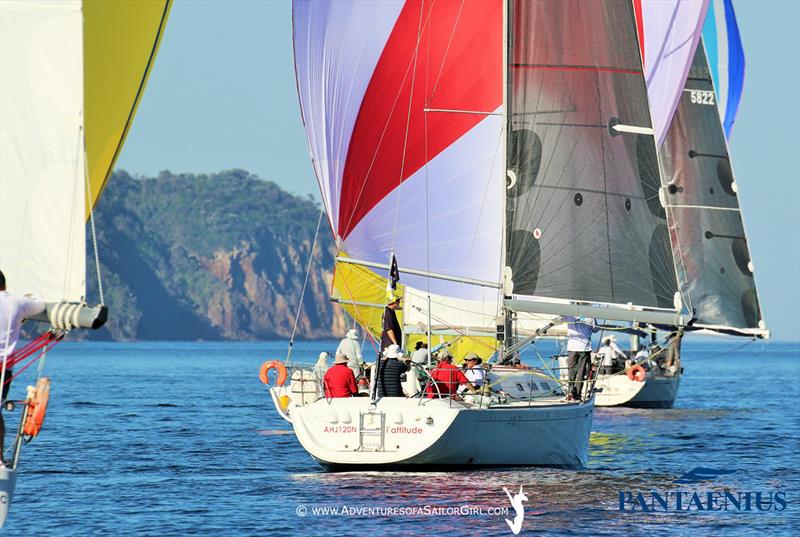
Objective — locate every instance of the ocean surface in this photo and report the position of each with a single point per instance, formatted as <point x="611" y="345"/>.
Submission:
<point x="181" y="439"/>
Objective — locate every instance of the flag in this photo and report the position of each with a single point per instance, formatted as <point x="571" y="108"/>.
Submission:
<point x="394" y="277"/>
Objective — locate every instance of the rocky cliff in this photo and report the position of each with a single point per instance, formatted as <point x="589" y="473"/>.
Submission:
<point x="218" y="256"/>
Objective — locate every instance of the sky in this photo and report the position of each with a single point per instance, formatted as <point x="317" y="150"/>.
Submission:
<point x="222" y="95"/>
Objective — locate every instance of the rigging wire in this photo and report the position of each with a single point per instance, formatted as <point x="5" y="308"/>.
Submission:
<point x="305" y="282"/>
<point x="91" y="223"/>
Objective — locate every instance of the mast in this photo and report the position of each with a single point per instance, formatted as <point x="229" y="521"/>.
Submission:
<point x="507" y="341"/>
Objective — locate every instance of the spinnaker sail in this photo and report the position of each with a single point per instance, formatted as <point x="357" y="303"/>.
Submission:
<point x="723" y="47"/>
<point x="669" y="31"/>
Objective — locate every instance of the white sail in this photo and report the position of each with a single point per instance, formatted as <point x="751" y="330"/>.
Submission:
<point x="42" y="182"/>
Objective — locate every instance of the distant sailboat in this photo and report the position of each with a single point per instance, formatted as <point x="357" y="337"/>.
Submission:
<point x="710" y="247"/>
<point x="71" y="76"/>
<point x="504" y="165"/>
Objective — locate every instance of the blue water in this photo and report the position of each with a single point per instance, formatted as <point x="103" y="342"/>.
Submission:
<point x="181" y="439"/>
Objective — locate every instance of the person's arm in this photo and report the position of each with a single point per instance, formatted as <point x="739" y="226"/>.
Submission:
<point x="351" y="383"/>
<point x="462" y="379"/>
<point x="31" y="307"/>
<point x="392" y="336"/>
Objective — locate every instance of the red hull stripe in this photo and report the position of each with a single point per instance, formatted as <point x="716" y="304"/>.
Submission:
<point x="457" y="66"/>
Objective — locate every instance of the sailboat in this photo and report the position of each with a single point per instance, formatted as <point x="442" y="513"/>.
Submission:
<point x="503" y="165"/>
<point x="71" y="76"/>
<point x="710" y="247"/>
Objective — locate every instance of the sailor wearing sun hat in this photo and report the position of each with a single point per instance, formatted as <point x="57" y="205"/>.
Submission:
<point x="339" y="381"/>
<point x="350" y="347"/>
<point x="474" y="372"/>
<point x="608" y="352"/>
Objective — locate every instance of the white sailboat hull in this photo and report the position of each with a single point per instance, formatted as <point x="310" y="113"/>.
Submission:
<point x="411" y="433"/>
<point x="8" y="482"/>
<point x="653" y="392"/>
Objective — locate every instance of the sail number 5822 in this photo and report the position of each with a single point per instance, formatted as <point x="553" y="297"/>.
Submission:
<point x="702" y="97"/>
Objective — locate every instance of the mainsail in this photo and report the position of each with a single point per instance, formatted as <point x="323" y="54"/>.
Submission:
<point x="71" y="74"/>
<point x="705" y="217"/>
<point x="584" y="220"/>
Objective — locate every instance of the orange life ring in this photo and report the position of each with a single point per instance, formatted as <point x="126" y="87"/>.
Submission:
<point x="637" y="373"/>
<point x="269" y="366"/>
<point x="37" y="407"/>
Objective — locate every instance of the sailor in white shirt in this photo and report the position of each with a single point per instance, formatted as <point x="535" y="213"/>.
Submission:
<point x="642" y="355"/>
<point x="579" y="347"/>
<point x="349" y="347"/>
<point x="474" y="372"/>
<point x="13" y="310"/>
<point x="420" y="354"/>
<point x="608" y="352"/>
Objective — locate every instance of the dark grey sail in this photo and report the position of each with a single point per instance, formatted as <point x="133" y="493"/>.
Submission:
<point x="583" y="217"/>
<point x="705" y="218"/>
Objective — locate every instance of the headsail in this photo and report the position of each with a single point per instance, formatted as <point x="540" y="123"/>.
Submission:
<point x="705" y="217"/>
<point x="66" y="86"/>
<point x="725" y="55"/>
<point x="584" y="219"/>
<point x="42" y="195"/>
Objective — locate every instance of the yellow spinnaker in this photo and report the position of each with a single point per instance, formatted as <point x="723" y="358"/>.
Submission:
<point x="362" y="293"/>
<point x="120" y="42"/>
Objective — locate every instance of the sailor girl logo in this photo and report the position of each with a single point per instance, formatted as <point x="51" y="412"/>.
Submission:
<point x="519" y="510"/>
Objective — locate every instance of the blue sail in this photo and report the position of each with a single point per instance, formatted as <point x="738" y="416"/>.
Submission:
<point x="725" y="58"/>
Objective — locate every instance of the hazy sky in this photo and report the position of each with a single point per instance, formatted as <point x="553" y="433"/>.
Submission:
<point x="222" y="95"/>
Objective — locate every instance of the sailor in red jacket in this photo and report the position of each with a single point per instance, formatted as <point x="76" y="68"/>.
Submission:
<point x="446" y="378"/>
<point x="339" y="381"/>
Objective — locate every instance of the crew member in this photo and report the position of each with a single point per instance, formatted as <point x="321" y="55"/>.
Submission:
<point x="339" y="381"/>
<point x="13" y="311"/>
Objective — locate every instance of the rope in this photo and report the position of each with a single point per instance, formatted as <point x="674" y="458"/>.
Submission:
<point x="303" y="291"/>
<point x="46" y="341"/>
<point x="91" y="222"/>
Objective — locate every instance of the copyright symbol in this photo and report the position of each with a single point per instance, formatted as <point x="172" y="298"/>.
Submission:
<point x="301" y="510"/>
